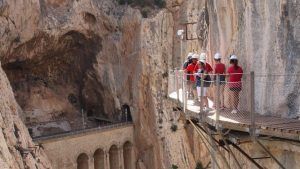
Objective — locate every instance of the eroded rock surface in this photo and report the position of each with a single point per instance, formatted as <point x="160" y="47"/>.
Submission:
<point x="17" y="151"/>
<point x="63" y="57"/>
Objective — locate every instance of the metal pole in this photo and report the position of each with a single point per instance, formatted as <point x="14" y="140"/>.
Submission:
<point x="182" y="87"/>
<point x="252" y="106"/>
<point x="205" y="140"/>
<point x="269" y="153"/>
<point x="201" y="93"/>
<point x="177" y="85"/>
<point x="185" y="92"/>
<point x="181" y="38"/>
<point x="218" y="102"/>
<point x="213" y="153"/>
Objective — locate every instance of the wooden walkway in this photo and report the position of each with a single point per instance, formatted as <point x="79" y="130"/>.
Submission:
<point x="265" y="125"/>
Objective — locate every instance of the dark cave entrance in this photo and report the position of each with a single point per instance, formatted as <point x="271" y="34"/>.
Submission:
<point x="56" y="69"/>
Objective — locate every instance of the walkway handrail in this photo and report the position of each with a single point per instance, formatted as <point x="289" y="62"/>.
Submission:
<point x="80" y="131"/>
<point x="253" y="102"/>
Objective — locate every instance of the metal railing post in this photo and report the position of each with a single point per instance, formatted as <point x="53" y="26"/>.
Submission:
<point x="217" y="101"/>
<point x="182" y="88"/>
<point x="183" y="94"/>
<point x="177" y="85"/>
<point x="201" y="95"/>
<point x="252" y="106"/>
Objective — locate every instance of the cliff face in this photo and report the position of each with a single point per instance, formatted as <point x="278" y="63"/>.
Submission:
<point x="67" y="56"/>
<point x="17" y="148"/>
<point x="265" y="36"/>
<point x="95" y="56"/>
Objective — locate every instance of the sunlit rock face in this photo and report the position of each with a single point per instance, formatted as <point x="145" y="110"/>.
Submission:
<point x="65" y="57"/>
<point x="95" y="56"/>
<point x="265" y="36"/>
<point x="17" y="148"/>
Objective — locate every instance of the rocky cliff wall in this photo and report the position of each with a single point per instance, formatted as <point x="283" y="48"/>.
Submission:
<point x="65" y="56"/>
<point x="17" y="151"/>
<point x="96" y="56"/>
<point x="263" y="34"/>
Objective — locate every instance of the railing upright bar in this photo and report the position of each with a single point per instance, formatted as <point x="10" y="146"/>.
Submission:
<point x="177" y="85"/>
<point x="252" y="106"/>
<point x="217" y="102"/>
<point x="182" y="88"/>
<point x="184" y="92"/>
<point x="201" y="96"/>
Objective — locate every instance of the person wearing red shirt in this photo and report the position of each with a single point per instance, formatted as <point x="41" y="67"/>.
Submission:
<point x="208" y="68"/>
<point x="191" y="70"/>
<point x="219" y="69"/>
<point x="235" y="83"/>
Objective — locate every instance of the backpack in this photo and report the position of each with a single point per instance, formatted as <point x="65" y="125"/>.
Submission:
<point x="207" y="80"/>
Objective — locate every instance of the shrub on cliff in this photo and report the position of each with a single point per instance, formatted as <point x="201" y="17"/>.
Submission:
<point x="160" y="3"/>
<point x="174" y="166"/>
<point x="199" y="166"/>
<point x="174" y="127"/>
<point x="123" y="2"/>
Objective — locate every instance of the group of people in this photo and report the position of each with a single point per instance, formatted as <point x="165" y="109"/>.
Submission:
<point x="196" y="68"/>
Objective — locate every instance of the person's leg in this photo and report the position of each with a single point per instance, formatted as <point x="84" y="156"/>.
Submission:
<point x="231" y="98"/>
<point x="199" y="92"/>
<point x="236" y="99"/>
<point x="222" y="87"/>
<point x="215" y="96"/>
<point x="189" y="89"/>
<point x="194" y="88"/>
<point x="205" y="100"/>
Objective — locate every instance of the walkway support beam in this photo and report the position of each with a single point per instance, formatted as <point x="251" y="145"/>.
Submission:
<point x="269" y="153"/>
<point x="252" y="106"/>
<point x="217" y="101"/>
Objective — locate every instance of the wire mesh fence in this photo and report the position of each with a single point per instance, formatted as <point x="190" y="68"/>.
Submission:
<point x="278" y="95"/>
<point x="237" y="98"/>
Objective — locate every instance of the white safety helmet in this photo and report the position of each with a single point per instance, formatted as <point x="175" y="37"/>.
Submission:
<point x="202" y="60"/>
<point x="202" y="56"/>
<point x="233" y="57"/>
<point x="189" y="56"/>
<point x="195" y="56"/>
<point x="217" y="56"/>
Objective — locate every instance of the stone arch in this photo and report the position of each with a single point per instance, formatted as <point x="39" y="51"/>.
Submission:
<point x="128" y="155"/>
<point x="83" y="161"/>
<point x="99" y="158"/>
<point x="114" y="143"/>
<point x="80" y="151"/>
<point x="114" y="157"/>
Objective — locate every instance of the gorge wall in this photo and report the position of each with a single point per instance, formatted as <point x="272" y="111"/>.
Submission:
<point x="16" y="147"/>
<point x="63" y="57"/>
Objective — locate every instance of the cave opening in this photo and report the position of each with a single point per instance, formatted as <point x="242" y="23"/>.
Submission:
<point x="49" y="77"/>
<point x="126" y="113"/>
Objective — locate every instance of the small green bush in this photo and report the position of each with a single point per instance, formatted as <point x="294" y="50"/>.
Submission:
<point x="174" y="127"/>
<point x="174" y="166"/>
<point x="145" y="11"/>
<point x="123" y="2"/>
<point x="160" y="3"/>
<point x="199" y="166"/>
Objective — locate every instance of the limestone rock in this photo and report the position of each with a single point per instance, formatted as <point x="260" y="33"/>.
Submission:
<point x="63" y="57"/>
<point x="17" y="149"/>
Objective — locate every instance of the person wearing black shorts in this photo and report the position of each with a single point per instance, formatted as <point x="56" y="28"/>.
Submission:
<point x="235" y="83"/>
